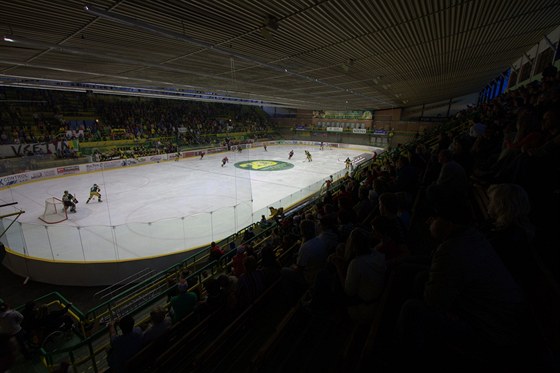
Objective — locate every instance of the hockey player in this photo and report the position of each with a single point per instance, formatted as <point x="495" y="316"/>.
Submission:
<point x="308" y="155"/>
<point x="94" y="192"/>
<point x="224" y="161"/>
<point x="322" y="146"/>
<point x="348" y="162"/>
<point x="291" y="154"/>
<point x="69" y="201"/>
<point x="264" y="146"/>
<point x="202" y="154"/>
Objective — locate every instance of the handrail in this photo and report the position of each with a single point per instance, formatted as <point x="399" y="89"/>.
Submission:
<point x="124" y="281"/>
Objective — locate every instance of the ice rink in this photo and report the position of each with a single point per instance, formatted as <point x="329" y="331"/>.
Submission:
<point x="171" y="206"/>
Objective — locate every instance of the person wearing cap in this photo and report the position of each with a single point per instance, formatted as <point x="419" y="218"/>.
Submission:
<point x="183" y="303"/>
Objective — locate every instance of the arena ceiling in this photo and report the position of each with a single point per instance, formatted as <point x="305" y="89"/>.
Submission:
<point x="310" y="54"/>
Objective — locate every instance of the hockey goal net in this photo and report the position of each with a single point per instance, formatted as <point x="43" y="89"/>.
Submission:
<point x="54" y="211"/>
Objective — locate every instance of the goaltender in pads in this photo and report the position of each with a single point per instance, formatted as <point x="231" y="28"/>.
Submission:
<point x="69" y="201"/>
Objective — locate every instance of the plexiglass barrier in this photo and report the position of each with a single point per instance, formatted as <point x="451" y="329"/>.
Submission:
<point x="139" y="240"/>
<point x="126" y="241"/>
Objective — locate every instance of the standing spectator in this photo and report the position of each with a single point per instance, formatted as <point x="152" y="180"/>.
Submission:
<point x="184" y="303"/>
<point x="125" y="345"/>
<point x="10" y="326"/>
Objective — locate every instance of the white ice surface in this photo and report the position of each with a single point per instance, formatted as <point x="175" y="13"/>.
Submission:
<point x="160" y="194"/>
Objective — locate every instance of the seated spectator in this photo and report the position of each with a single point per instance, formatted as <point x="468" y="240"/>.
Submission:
<point x="328" y="288"/>
<point x="270" y="265"/>
<point x="228" y="286"/>
<point x="364" y="206"/>
<point x="159" y="324"/>
<point x="251" y="283"/>
<point x="328" y="232"/>
<point x="469" y="302"/>
<point x="49" y="321"/>
<point x="263" y="223"/>
<point x="363" y="279"/>
<point x="388" y="235"/>
<point x="389" y="207"/>
<point x="452" y="182"/>
<point x="125" y="345"/>
<point x="311" y="258"/>
<point x="404" y="210"/>
<point x="184" y="303"/>
<point x="30" y="324"/>
<point x="406" y="179"/>
<point x="237" y="262"/>
<point x="248" y="235"/>
<point x="216" y="252"/>
<point x="510" y="230"/>
<point x="216" y="298"/>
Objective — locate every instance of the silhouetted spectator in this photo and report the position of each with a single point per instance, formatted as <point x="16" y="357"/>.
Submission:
<point x="216" y="252"/>
<point x="125" y="345"/>
<point x="237" y="262"/>
<point x="159" y="324"/>
<point x="184" y="303"/>
<point x="10" y="326"/>
<point x="251" y="283"/>
<point x="470" y="301"/>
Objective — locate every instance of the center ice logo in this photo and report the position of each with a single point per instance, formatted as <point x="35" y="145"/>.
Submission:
<point x="264" y="165"/>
